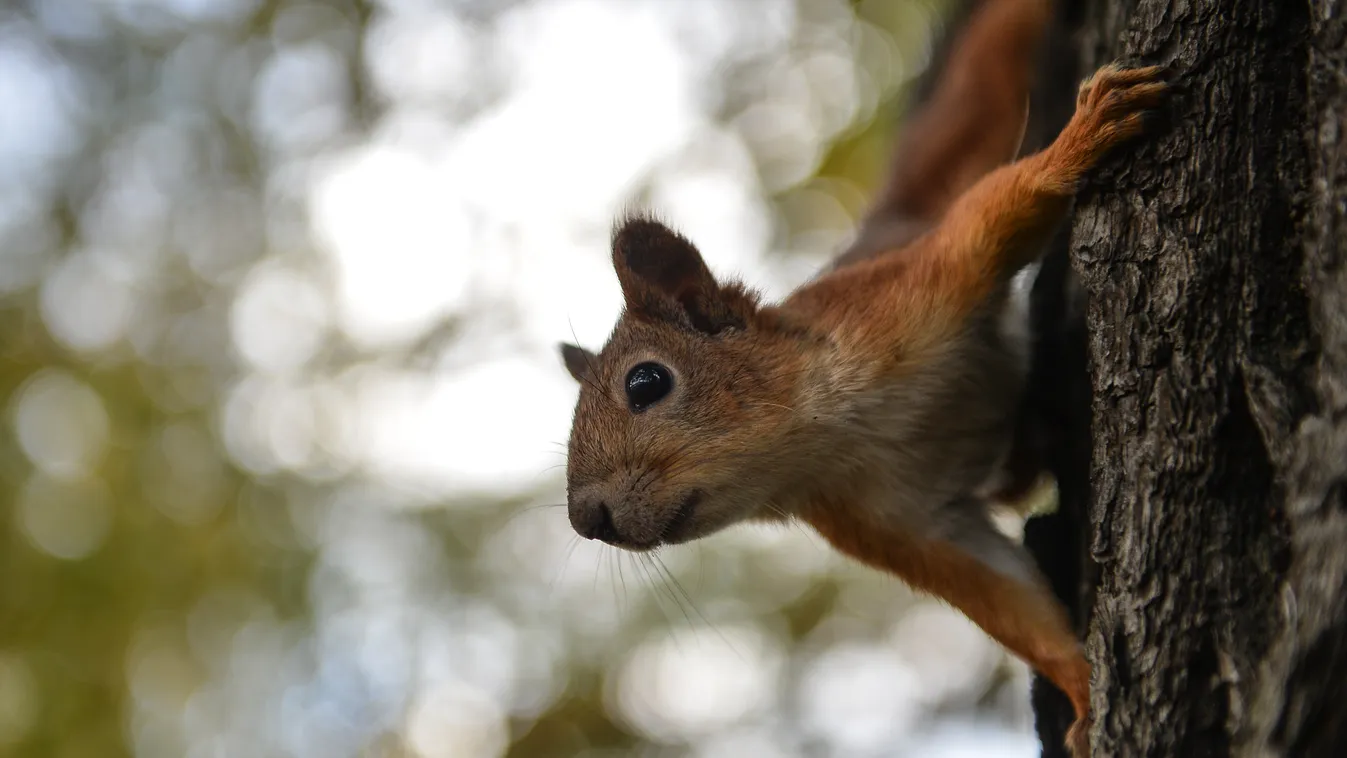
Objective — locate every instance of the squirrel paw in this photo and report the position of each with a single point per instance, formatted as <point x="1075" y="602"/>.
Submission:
<point x="1111" y="105"/>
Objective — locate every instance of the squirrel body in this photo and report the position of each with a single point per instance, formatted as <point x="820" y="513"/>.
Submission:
<point x="875" y="403"/>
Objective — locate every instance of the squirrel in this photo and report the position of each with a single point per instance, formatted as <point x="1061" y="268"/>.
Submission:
<point x="877" y="401"/>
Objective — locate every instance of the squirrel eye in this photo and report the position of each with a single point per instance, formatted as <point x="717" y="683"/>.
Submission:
<point x="647" y="384"/>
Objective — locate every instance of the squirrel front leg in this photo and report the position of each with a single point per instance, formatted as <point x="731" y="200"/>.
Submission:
<point x="966" y="562"/>
<point x="992" y="231"/>
<point x="1001" y="223"/>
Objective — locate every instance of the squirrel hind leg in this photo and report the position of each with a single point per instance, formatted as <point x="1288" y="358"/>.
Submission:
<point x="960" y="557"/>
<point x="966" y="525"/>
<point x="995" y="583"/>
<point x="1078" y="738"/>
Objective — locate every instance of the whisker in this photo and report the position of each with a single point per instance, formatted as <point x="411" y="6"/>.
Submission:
<point x="626" y="596"/>
<point x="675" y="592"/>
<point x="701" y="565"/>
<point x="588" y="377"/>
<point x="791" y="520"/>
<point x="650" y="580"/>
<point x="565" y="561"/>
<point x="595" y="589"/>
<point x="661" y="571"/>
<point x="661" y="586"/>
<point x="669" y="577"/>
<point x="602" y="392"/>
<point x="530" y="509"/>
<point x="612" y="581"/>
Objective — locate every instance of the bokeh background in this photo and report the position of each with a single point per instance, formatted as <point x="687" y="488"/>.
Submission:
<point x="283" y="433"/>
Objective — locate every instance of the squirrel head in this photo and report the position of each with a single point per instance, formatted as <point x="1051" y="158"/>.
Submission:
<point x="681" y="410"/>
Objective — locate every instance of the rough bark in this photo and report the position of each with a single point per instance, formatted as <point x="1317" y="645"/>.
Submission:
<point x="1203" y="540"/>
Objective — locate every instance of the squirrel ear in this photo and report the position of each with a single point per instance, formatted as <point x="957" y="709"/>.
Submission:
<point x="664" y="277"/>
<point x="578" y="360"/>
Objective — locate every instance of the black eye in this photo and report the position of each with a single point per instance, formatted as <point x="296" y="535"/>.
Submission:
<point x="647" y="384"/>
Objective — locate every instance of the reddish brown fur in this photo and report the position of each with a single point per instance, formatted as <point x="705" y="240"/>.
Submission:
<point x="1019" y="616"/>
<point x="872" y="403"/>
<point x="1023" y="617"/>
<point x="975" y="118"/>
<point x="972" y="123"/>
<point x="993" y="230"/>
<point x="904" y="302"/>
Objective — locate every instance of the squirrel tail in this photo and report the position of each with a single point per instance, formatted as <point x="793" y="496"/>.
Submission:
<point x="971" y="121"/>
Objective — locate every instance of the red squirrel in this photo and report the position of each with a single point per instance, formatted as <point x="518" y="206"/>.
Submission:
<point x="877" y="401"/>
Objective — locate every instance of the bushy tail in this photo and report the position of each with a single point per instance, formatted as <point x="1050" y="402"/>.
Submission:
<point x="971" y="122"/>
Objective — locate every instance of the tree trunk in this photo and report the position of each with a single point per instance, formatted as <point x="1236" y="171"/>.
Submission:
<point x="1202" y="533"/>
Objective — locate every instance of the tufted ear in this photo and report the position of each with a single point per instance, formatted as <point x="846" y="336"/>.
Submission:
<point x="664" y="278"/>
<point x="579" y="361"/>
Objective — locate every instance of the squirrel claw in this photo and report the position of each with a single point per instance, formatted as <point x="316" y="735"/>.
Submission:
<point x="1111" y="108"/>
<point x="1112" y="102"/>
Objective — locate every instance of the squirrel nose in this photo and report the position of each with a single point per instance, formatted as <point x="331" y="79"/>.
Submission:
<point x="593" y="520"/>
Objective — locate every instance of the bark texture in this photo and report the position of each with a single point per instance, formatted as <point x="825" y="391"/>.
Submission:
<point x="1203" y="540"/>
